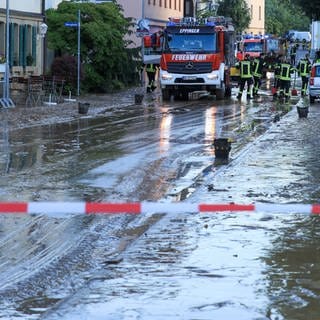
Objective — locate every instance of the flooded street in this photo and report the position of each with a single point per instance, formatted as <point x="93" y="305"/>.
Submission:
<point x="155" y="266"/>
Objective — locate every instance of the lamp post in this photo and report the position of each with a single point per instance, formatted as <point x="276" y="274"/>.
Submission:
<point x="79" y="41"/>
<point x="43" y="28"/>
<point x="79" y="60"/>
<point x="5" y="101"/>
<point x="6" y="90"/>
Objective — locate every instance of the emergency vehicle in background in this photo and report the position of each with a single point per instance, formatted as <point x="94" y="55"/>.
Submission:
<point x="196" y="56"/>
<point x="255" y="45"/>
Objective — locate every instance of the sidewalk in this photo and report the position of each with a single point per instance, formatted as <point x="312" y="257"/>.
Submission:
<point x="281" y="166"/>
<point x="22" y="116"/>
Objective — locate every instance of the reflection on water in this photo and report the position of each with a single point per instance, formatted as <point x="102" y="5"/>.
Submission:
<point x="293" y="268"/>
<point x="165" y="128"/>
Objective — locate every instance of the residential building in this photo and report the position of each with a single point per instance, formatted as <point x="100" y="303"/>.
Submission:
<point x="157" y="12"/>
<point x="25" y="42"/>
<point x="256" y="7"/>
<point x="257" y="12"/>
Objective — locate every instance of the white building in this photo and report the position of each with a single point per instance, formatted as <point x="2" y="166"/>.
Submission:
<point x="25" y="42"/>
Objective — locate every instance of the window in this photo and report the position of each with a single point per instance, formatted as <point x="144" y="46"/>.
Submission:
<point x="259" y="12"/>
<point x="175" y="4"/>
<point x="170" y="4"/>
<point x="154" y="2"/>
<point x="251" y="11"/>
<point x="160" y="3"/>
<point x="165" y="3"/>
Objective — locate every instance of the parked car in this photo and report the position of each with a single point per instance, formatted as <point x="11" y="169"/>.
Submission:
<point x="314" y="83"/>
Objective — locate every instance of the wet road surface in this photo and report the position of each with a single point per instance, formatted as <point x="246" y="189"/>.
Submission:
<point x="153" y="266"/>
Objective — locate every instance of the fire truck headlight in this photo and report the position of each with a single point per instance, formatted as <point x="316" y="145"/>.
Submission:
<point x="166" y="76"/>
<point x="213" y="76"/>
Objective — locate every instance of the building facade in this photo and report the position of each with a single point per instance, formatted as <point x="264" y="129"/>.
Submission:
<point x="257" y="12"/>
<point x="157" y="12"/>
<point x="25" y="41"/>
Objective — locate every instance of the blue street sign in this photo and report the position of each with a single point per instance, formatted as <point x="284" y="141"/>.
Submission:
<point x="71" y="24"/>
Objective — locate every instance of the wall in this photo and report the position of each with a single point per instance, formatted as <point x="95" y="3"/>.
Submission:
<point x="257" y="11"/>
<point x="25" y="18"/>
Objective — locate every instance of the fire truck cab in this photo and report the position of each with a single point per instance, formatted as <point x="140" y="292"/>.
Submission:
<point x="196" y="56"/>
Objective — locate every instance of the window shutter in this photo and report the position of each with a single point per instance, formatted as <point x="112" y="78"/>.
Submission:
<point x="11" y="44"/>
<point x="22" y="60"/>
<point x="34" y="44"/>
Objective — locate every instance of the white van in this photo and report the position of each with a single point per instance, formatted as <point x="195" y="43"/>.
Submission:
<point x="301" y="35"/>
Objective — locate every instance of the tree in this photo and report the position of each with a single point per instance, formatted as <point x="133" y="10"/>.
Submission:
<point x="283" y="15"/>
<point x="106" y="61"/>
<point x="237" y="10"/>
<point x="311" y="8"/>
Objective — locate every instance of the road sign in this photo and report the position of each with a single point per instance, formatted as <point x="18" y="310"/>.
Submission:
<point x="71" y="24"/>
<point x="142" y="33"/>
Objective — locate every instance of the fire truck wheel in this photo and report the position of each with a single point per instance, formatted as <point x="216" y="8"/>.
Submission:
<point x="220" y="93"/>
<point x="228" y="92"/>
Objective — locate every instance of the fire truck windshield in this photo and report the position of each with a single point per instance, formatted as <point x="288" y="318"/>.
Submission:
<point x="191" y="42"/>
<point x="253" y="47"/>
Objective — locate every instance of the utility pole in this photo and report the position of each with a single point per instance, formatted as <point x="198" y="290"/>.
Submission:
<point x="5" y="101"/>
<point x="7" y="93"/>
<point x="79" y="60"/>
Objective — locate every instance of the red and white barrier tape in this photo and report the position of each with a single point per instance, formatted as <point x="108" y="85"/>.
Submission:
<point x="65" y="208"/>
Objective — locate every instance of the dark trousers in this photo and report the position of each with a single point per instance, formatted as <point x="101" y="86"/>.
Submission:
<point x="242" y="83"/>
<point x="151" y="80"/>
<point x="285" y="88"/>
<point x="304" y="86"/>
<point x="256" y="84"/>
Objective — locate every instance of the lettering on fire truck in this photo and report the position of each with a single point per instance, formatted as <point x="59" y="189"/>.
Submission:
<point x="187" y="57"/>
<point x="189" y="30"/>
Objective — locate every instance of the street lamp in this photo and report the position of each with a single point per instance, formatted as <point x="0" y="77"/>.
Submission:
<point x="79" y="38"/>
<point x="5" y="101"/>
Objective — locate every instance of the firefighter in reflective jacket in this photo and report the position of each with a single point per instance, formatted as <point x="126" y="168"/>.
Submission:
<point x="151" y="70"/>
<point x="245" y="67"/>
<point x="257" y="68"/>
<point x="304" y="69"/>
<point x="286" y="69"/>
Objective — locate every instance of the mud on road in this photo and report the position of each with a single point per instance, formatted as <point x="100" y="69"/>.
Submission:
<point x="45" y="261"/>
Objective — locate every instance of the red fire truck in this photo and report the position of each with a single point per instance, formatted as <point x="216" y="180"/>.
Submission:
<point x="254" y="45"/>
<point x="197" y="56"/>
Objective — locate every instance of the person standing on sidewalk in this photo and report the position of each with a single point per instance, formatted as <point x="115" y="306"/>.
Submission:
<point x="151" y="70"/>
<point x="286" y="69"/>
<point x="245" y="67"/>
<point x="257" y="69"/>
<point x="304" y="69"/>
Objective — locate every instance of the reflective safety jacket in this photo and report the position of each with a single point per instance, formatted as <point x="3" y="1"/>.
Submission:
<point x="304" y="67"/>
<point x="245" y="69"/>
<point x="257" y="67"/>
<point x="150" y="68"/>
<point x="285" y="71"/>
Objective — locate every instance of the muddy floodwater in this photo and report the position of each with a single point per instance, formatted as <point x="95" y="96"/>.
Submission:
<point x="226" y="265"/>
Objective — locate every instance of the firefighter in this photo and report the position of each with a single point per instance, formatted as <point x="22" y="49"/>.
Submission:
<point x="245" y="67"/>
<point x="257" y="69"/>
<point x="276" y="69"/>
<point x="151" y="70"/>
<point x="286" y="69"/>
<point x="293" y="53"/>
<point x="304" y="69"/>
